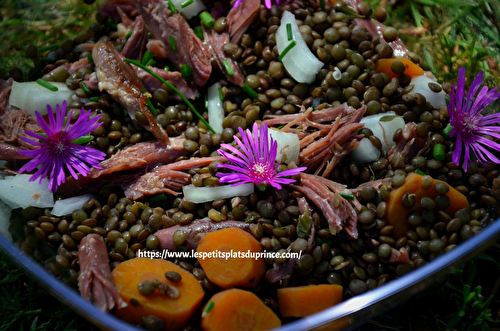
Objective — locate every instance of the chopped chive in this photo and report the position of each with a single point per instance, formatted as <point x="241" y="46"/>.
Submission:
<point x="85" y="88"/>
<point x="147" y="56"/>
<point x="227" y="65"/>
<point x="47" y="85"/>
<point x="209" y="308"/>
<point x="322" y="4"/>
<point x="320" y="241"/>
<point x="151" y="63"/>
<point x="83" y="139"/>
<point x="420" y="172"/>
<point x="186" y="3"/>
<point x="186" y="71"/>
<point x="347" y="196"/>
<point x="166" y="68"/>
<point x="281" y="126"/>
<point x="90" y="58"/>
<point x="48" y="48"/>
<point x="48" y="59"/>
<point x="171" y="7"/>
<point x="111" y="24"/>
<point x="129" y="34"/>
<point x="206" y="101"/>
<point x="94" y="99"/>
<point x="250" y="91"/>
<point x="198" y="31"/>
<point x="173" y="45"/>
<point x="438" y="152"/>
<point x="221" y="95"/>
<point x="150" y="35"/>
<point x="149" y="104"/>
<point x="151" y="108"/>
<point x="207" y="19"/>
<point x="447" y="130"/>
<point x="287" y="49"/>
<point x="158" y="198"/>
<point x="183" y="97"/>
<point x="289" y="31"/>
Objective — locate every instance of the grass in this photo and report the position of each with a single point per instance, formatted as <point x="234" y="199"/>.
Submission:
<point x="458" y="33"/>
<point x="25" y="305"/>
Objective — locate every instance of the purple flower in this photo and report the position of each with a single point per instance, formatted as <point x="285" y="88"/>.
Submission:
<point x="469" y="125"/>
<point x="268" y="3"/>
<point x="256" y="162"/>
<point x="58" y="151"/>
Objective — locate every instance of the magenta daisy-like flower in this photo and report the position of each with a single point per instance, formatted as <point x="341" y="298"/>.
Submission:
<point x="268" y="3"/>
<point x="57" y="150"/>
<point x="469" y="125"/>
<point x="256" y="162"/>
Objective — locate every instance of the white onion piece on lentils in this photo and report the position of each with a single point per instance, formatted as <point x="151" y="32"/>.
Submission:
<point x="299" y="61"/>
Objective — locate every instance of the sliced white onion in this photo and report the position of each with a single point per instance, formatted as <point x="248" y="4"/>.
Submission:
<point x="300" y="62"/>
<point x="384" y="126"/>
<point x="5" y="220"/>
<point x="67" y="206"/>
<point x="421" y="83"/>
<point x="32" y="96"/>
<point x="18" y="192"/>
<point x="215" y="110"/>
<point x="191" y="7"/>
<point x="205" y="194"/>
<point x="288" y="145"/>
<point x="365" y="152"/>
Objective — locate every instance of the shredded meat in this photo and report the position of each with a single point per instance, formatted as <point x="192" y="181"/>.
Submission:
<point x="165" y="179"/>
<point x="95" y="280"/>
<point x="195" y="231"/>
<point x="240" y="18"/>
<point x="215" y="41"/>
<point x="174" y="30"/>
<point x="136" y="45"/>
<point x="110" y="9"/>
<point x="124" y="86"/>
<point x="321" y="192"/>
<point x="331" y="138"/>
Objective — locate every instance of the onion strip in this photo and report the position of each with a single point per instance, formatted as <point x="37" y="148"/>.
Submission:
<point x="205" y="194"/>
<point x="215" y="110"/>
<point x="297" y="58"/>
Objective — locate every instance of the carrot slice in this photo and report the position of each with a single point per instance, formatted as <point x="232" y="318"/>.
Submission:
<point x="397" y="215"/>
<point x="175" y="312"/>
<point x="231" y="271"/>
<point x="237" y="310"/>
<point x="384" y="65"/>
<point x="303" y="301"/>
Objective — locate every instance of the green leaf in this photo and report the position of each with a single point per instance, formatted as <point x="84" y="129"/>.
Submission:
<point x="303" y="225"/>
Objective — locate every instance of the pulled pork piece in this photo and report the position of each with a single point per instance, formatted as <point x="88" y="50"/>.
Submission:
<point x="240" y="18"/>
<point x="165" y="179"/>
<point x="140" y="155"/>
<point x="332" y="137"/>
<point x="321" y="192"/>
<point x="152" y="84"/>
<point x="195" y="232"/>
<point x="178" y="39"/>
<point x="110" y="9"/>
<point x="136" y="45"/>
<point x="215" y="42"/>
<point x="124" y="86"/>
<point x="13" y="124"/>
<point x="95" y="280"/>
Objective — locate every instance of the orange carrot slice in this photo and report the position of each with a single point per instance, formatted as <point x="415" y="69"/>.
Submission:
<point x="384" y="65"/>
<point x="175" y="312"/>
<point x="230" y="272"/>
<point x="303" y="301"/>
<point x="237" y="310"/>
<point x="397" y="215"/>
